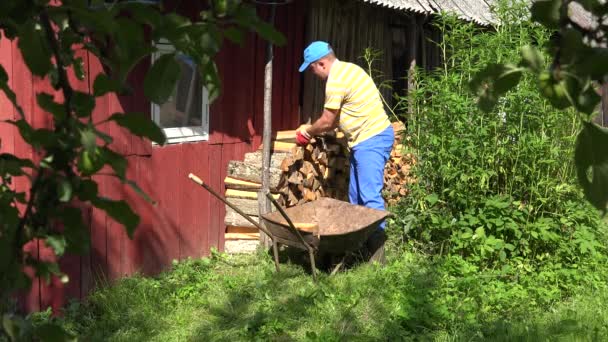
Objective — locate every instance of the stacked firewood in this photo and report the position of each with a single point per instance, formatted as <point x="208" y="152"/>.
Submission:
<point x="319" y="169"/>
<point x="397" y="169"/>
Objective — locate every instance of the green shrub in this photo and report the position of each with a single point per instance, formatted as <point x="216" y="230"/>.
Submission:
<point x="495" y="188"/>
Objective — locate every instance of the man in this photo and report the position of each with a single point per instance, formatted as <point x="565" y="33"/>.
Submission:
<point x="352" y="103"/>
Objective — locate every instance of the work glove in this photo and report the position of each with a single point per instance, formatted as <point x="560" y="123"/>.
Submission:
<point x="302" y="137"/>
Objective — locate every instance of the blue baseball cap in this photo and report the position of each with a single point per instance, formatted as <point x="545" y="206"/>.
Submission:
<point x="314" y="52"/>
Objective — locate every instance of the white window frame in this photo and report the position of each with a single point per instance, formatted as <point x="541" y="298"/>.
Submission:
<point x="176" y="135"/>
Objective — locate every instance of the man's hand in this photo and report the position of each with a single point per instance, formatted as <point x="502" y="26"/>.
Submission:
<point x="302" y="136"/>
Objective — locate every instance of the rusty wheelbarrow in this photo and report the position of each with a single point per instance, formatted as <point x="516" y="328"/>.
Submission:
<point x="324" y="226"/>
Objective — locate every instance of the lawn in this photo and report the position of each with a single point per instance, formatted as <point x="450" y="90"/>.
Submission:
<point x="242" y="298"/>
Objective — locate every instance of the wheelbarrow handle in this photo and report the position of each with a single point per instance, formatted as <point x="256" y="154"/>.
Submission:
<point x="289" y="222"/>
<point x="200" y="182"/>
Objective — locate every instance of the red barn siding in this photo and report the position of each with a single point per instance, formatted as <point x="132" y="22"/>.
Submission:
<point x="185" y="221"/>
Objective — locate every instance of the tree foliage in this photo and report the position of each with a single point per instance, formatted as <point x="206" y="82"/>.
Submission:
<point x="49" y="35"/>
<point x="570" y="79"/>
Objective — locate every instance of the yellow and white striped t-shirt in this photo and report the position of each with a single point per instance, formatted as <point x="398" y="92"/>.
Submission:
<point x="350" y="89"/>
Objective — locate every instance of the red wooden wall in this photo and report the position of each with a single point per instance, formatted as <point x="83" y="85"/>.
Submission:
<point x="185" y="221"/>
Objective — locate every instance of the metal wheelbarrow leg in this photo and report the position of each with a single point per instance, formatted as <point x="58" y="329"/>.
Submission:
<point x="294" y="230"/>
<point x="275" y="251"/>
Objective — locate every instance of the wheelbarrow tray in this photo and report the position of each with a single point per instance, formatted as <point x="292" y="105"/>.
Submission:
<point x="342" y="227"/>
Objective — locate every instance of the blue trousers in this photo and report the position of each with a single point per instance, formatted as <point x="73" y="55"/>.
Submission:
<point x="367" y="161"/>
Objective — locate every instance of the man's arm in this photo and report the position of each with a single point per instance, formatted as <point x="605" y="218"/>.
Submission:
<point x="327" y="122"/>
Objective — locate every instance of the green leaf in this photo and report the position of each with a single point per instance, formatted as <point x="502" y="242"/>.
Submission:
<point x="79" y="68"/>
<point x="116" y="161"/>
<point x="119" y="211"/>
<point x="46" y="269"/>
<point x="594" y="63"/>
<point x="82" y="104"/>
<point x="591" y="159"/>
<point x="11" y="165"/>
<point x="64" y="190"/>
<point x="144" y="13"/>
<point x="130" y="46"/>
<point x="89" y="162"/>
<point x="34" y="49"/>
<point x="234" y="34"/>
<point x="494" y="81"/>
<point x="87" y="190"/>
<point x="53" y="332"/>
<point x="587" y="100"/>
<point x="532" y="58"/>
<point x="57" y="243"/>
<point x="161" y="79"/>
<point x="140" y="125"/>
<point x="88" y="139"/>
<point x="547" y="12"/>
<point x="555" y="91"/>
<point x="13" y="326"/>
<point x="3" y="75"/>
<point x="432" y="199"/>
<point x="104" y="84"/>
<point x="77" y="236"/>
<point x="138" y="190"/>
<point x="46" y="102"/>
<point x="268" y="32"/>
<point x="572" y="46"/>
<point x="37" y="137"/>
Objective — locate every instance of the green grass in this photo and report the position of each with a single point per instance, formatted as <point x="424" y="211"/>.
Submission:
<point x="242" y="298"/>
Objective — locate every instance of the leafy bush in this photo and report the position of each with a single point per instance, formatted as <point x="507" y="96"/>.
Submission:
<point x="495" y="188"/>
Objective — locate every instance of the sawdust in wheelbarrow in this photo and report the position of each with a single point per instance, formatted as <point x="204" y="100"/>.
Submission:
<point x="333" y="217"/>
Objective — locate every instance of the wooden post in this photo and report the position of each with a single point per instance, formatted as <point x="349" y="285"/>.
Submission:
<point x="263" y="203"/>
<point x="412" y="42"/>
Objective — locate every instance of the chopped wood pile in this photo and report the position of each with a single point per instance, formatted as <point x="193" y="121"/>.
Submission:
<point x="397" y="169"/>
<point x="300" y="174"/>
<point x="319" y="169"/>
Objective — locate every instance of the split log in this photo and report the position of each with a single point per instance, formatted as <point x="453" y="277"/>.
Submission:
<point x="252" y="173"/>
<point x="255" y="159"/>
<point x="233" y="218"/>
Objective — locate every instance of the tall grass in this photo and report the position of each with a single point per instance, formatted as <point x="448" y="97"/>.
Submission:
<point x="496" y="188"/>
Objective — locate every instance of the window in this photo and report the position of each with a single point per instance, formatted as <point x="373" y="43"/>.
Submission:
<point x="185" y="115"/>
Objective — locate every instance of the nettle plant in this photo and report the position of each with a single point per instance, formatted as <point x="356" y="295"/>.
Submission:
<point x="497" y="184"/>
<point x="73" y="150"/>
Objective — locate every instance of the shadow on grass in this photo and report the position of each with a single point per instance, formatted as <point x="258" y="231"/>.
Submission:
<point x="352" y="306"/>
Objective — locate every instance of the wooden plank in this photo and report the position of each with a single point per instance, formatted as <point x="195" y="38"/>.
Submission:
<point x="285" y="136"/>
<point x="148" y="252"/>
<point x="215" y="182"/>
<point x="241" y="230"/>
<point x="248" y="206"/>
<point x="192" y="217"/>
<point x="242" y="236"/>
<point x="115" y="233"/>
<point x="7" y="132"/>
<point x="241" y="170"/>
<point x="242" y="194"/>
<point x="279" y="146"/>
<point x="255" y="159"/>
<point x="166" y="162"/>
<point x="237" y="184"/>
<point x="232" y="218"/>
